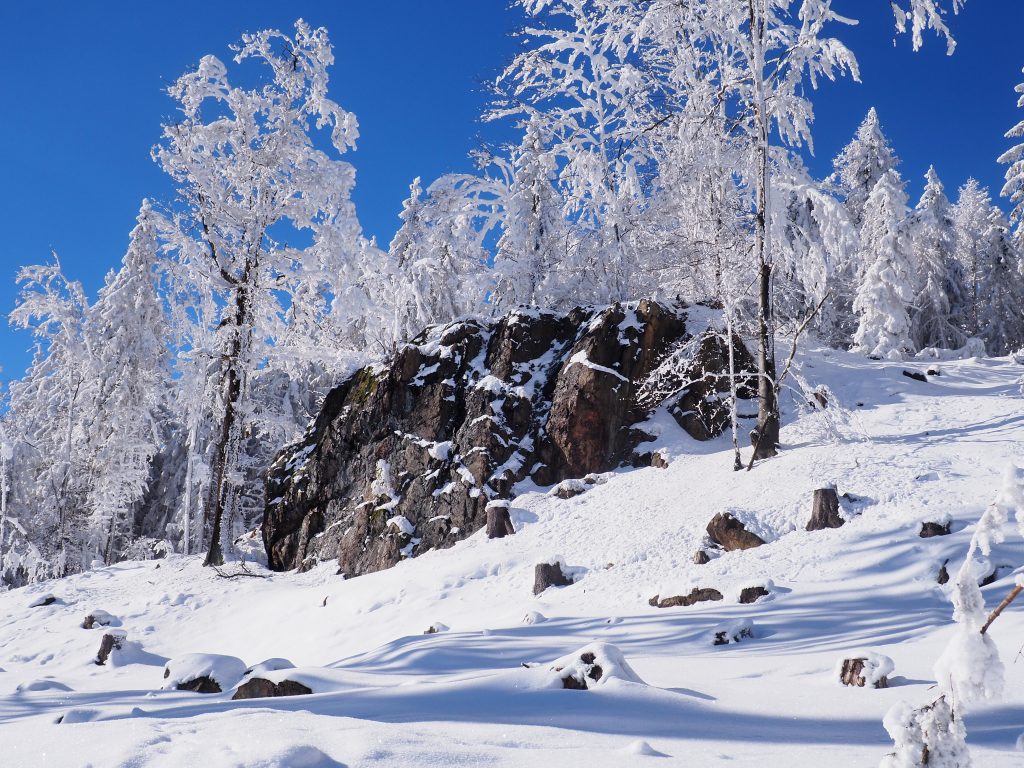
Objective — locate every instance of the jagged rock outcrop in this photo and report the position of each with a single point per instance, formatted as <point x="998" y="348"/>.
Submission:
<point x="408" y="456"/>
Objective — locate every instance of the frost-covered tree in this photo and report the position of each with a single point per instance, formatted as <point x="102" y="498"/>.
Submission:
<point x="1013" y="190"/>
<point x="887" y="289"/>
<point x="861" y="163"/>
<point x="131" y="361"/>
<point x="438" y="258"/>
<point x="1001" y="311"/>
<point x="580" y="87"/>
<point x="932" y="246"/>
<point x="47" y="408"/>
<point x="530" y="255"/>
<point x="971" y="224"/>
<point x="249" y="172"/>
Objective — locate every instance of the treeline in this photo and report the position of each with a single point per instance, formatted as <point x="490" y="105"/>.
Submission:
<point x="660" y="155"/>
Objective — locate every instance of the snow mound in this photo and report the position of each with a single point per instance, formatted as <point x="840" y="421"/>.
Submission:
<point x="733" y="632"/>
<point x="43" y="684"/>
<point x="265" y="667"/>
<point x="641" y="747"/>
<point x="226" y="671"/>
<point x="595" y="664"/>
<point x="43" y="600"/>
<point x="534" y="617"/>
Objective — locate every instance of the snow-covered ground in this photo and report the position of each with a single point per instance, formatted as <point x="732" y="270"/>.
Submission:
<point x="480" y="692"/>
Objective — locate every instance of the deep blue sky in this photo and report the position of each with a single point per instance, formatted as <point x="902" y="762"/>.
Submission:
<point x="83" y="101"/>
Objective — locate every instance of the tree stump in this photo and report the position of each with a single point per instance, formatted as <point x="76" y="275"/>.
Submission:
<point x="852" y="674"/>
<point x="110" y="642"/>
<point x="499" y="524"/>
<point x="825" y="510"/>
<point x="549" y="575"/>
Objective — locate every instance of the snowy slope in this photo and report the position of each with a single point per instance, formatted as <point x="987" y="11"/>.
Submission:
<point x="386" y="694"/>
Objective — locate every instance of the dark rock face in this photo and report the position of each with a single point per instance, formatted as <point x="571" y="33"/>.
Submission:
<point x="419" y="453"/>
<point x="730" y="534"/>
<point x="697" y="595"/>
<point x="700" y="557"/>
<point x="549" y="575"/>
<point x="702" y="407"/>
<point x="258" y="688"/>
<point x="929" y="530"/>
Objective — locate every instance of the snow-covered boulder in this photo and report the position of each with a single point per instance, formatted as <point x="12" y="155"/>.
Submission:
<point x="733" y="632"/>
<point x="596" y="664"/>
<point x="261" y="688"/>
<point x="100" y="618"/>
<point x="203" y="673"/>
<point x="42" y="601"/>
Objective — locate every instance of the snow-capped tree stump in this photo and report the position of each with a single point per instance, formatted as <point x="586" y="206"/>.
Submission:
<point x="852" y="674"/>
<point x="110" y="642"/>
<point x="825" y="510"/>
<point x="549" y="575"/>
<point x="499" y="524"/>
<point x="752" y="594"/>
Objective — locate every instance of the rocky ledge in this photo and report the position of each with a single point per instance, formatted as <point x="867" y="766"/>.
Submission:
<point x="406" y="456"/>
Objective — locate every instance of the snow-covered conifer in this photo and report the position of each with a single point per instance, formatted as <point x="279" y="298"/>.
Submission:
<point x="887" y="289"/>
<point x="1014" y="158"/>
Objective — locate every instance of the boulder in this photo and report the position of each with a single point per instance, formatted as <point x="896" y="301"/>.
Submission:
<point x="931" y="529"/>
<point x="752" y="594"/>
<point x="916" y="376"/>
<point x="459" y="416"/>
<point x="734" y="632"/>
<point x="730" y="534"/>
<point x="260" y="688"/>
<point x="99" y="619"/>
<point x="697" y="595"/>
<point x="700" y="557"/>
<point x="203" y="673"/>
<point x="593" y="665"/>
<point x="825" y="510"/>
<point x="42" y="601"/>
<point x="549" y="575"/>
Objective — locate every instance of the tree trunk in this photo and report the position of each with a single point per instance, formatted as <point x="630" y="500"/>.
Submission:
<point x="765" y="437"/>
<point x="232" y="383"/>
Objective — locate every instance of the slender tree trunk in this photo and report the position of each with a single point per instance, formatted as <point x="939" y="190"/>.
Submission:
<point x="765" y="437"/>
<point x="232" y="393"/>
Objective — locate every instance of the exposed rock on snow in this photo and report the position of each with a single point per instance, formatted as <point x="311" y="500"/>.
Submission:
<point x="435" y="628"/>
<point x="734" y="632"/>
<point x="462" y="414"/>
<point x="203" y="673"/>
<point x="593" y="665"/>
<point x="916" y="376"/>
<point x="260" y="688"/>
<point x="931" y="529"/>
<point x="100" y="619"/>
<point x="752" y="594"/>
<point x="701" y="557"/>
<point x="42" y="601"/>
<point x="730" y="534"/>
<point x="825" y="510"/>
<point x="866" y="669"/>
<point x="698" y="595"/>
<point x="549" y="575"/>
<point x="111" y="641"/>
